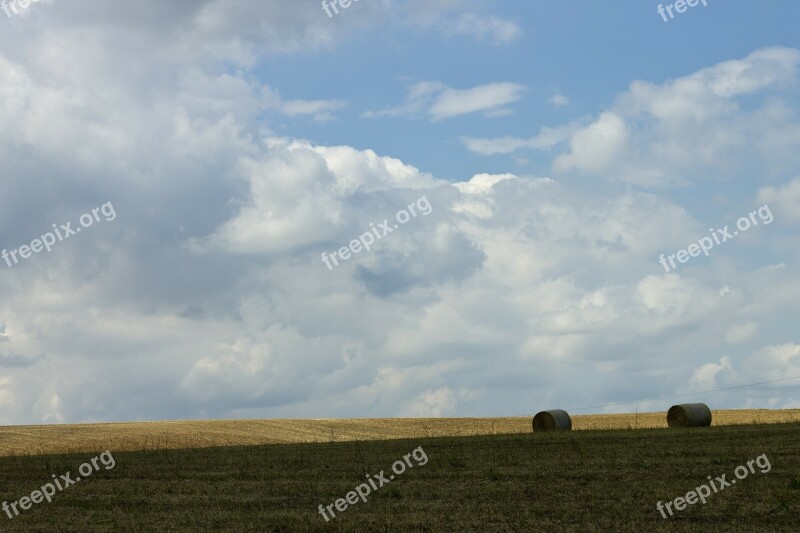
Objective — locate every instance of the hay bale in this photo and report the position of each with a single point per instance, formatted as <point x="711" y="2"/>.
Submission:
<point x="689" y="415"/>
<point x="552" y="420"/>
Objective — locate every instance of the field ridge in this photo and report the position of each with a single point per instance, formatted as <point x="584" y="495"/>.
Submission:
<point x="139" y="436"/>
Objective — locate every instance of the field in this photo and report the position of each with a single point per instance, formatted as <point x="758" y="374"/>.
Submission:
<point x="140" y="436"/>
<point x="590" y="480"/>
<point x="514" y="480"/>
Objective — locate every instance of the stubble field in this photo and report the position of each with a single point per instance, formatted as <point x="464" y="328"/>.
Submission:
<point x="140" y="436"/>
<point x="513" y="480"/>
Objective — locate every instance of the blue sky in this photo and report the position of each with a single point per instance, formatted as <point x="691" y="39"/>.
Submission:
<point x="618" y="42"/>
<point x="563" y="148"/>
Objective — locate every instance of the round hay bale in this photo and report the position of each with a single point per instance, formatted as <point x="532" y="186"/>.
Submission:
<point x="552" y="420"/>
<point x="689" y="415"/>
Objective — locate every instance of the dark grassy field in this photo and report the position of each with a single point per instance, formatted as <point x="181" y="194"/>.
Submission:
<point x="583" y="481"/>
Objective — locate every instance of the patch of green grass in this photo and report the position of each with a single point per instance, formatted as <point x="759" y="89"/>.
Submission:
<point x="580" y="481"/>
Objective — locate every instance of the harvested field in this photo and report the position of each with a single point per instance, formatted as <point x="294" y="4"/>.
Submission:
<point x="534" y="482"/>
<point x="136" y="436"/>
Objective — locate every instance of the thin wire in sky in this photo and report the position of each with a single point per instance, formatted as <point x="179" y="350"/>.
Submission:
<point x="682" y="395"/>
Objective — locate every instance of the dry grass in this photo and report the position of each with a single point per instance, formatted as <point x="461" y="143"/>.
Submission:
<point x="135" y="436"/>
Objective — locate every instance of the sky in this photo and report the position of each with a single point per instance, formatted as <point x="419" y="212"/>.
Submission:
<point x="411" y="208"/>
